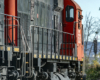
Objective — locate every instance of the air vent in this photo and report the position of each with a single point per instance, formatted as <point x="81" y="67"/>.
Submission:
<point x="58" y="5"/>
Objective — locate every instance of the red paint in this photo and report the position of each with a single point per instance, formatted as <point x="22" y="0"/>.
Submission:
<point x="68" y="27"/>
<point x="11" y="9"/>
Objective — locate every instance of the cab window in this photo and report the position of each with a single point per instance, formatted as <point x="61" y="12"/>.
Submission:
<point x="78" y="14"/>
<point x="69" y="13"/>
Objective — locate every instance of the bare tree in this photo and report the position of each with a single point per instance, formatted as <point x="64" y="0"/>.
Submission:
<point x="90" y="30"/>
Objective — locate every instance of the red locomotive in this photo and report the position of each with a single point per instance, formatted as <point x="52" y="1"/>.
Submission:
<point x="41" y="40"/>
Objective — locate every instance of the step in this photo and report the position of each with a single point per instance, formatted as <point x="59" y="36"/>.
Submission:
<point x="27" y="53"/>
<point x="18" y="69"/>
<point x="18" y="58"/>
<point x="27" y="72"/>
<point x="27" y="62"/>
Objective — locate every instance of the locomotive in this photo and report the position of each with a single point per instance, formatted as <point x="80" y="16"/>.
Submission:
<point x="41" y="40"/>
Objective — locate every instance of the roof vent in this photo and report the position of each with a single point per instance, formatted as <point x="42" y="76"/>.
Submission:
<point x="58" y="5"/>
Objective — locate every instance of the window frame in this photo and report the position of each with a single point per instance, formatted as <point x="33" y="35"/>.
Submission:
<point x="78" y="14"/>
<point x="68" y="18"/>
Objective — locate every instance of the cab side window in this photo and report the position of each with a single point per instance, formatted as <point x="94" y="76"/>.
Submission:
<point x="78" y="14"/>
<point x="69" y="13"/>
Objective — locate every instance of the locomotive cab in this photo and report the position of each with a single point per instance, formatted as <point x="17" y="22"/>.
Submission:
<point x="72" y="23"/>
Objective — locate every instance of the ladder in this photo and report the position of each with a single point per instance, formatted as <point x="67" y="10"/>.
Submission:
<point x="27" y="62"/>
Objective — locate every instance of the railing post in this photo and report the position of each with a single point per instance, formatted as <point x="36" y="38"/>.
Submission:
<point x="12" y="32"/>
<point x="38" y="42"/>
<point x="65" y="44"/>
<point x="51" y="43"/>
<point x="7" y="27"/>
<point x="58" y="46"/>
<point x="6" y="30"/>
<point x="69" y="44"/>
<point x="62" y="44"/>
<point x="42" y="41"/>
<point x="33" y="41"/>
<point x="72" y="45"/>
<point x="19" y="36"/>
<point x="47" y="44"/>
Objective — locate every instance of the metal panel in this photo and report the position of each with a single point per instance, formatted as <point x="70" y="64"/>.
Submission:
<point x="1" y="37"/>
<point x="25" y="24"/>
<point x="1" y="22"/>
<point x="35" y="12"/>
<point x="41" y="19"/>
<point x="44" y="17"/>
<point x="1" y="6"/>
<point x="43" y="14"/>
<point x="24" y="7"/>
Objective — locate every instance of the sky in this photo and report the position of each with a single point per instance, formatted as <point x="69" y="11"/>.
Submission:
<point x="89" y="6"/>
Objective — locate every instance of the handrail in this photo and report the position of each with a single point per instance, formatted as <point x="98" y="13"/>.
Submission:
<point x="68" y="38"/>
<point x="74" y="27"/>
<point x="9" y="15"/>
<point x="51" y="29"/>
<point x="25" y="44"/>
<point x="24" y="41"/>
